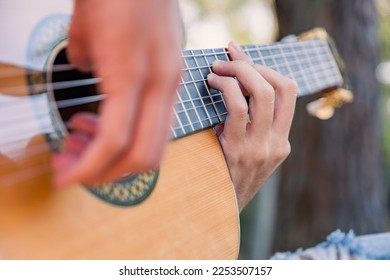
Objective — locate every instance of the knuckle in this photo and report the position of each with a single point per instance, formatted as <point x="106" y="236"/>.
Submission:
<point x="269" y="93"/>
<point x="242" y="65"/>
<point x="283" y="152"/>
<point x="261" y="156"/>
<point x="230" y="83"/>
<point x="290" y="86"/>
<point x="239" y="109"/>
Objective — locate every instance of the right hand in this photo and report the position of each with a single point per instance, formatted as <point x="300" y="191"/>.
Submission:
<point x="134" y="47"/>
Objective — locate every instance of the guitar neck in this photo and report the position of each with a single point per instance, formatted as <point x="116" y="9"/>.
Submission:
<point x="310" y="63"/>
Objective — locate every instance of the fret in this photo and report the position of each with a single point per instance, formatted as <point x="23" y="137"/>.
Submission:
<point x="196" y="96"/>
<point x="285" y="69"/>
<point x="303" y="83"/>
<point x="173" y="132"/>
<point x="183" y="110"/>
<point x="317" y="58"/>
<point x="274" y="53"/>
<point x="177" y="128"/>
<point x="215" y="96"/>
<point x="211" y="107"/>
<point x="283" y="62"/>
<point x="332" y="66"/>
<point x="188" y="95"/>
<point x="309" y="63"/>
<point x="204" y="91"/>
<point x="313" y="64"/>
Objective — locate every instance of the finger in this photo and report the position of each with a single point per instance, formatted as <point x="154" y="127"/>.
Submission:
<point x="121" y="64"/>
<point x="236" y="120"/>
<point x="76" y="143"/>
<point x="285" y="99"/>
<point x="77" y="50"/>
<point x="237" y="53"/>
<point x="262" y="96"/>
<point x="85" y="122"/>
<point x="219" y="129"/>
<point x="111" y="139"/>
<point x="153" y="127"/>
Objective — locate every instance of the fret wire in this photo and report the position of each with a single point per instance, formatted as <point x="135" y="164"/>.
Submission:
<point x="309" y="63"/>
<point x="295" y="76"/>
<point x="313" y="66"/>
<point x="189" y="96"/>
<point x="212" y="96"/>
<point x="201" y="80"/>
<point x="254" y="48"/>
<point x="223" y="114"/>
<point x="303" y="58"/>
<point x="178" y="120"/>
<point x="333" y="63"/>
<point x="299" y="75"/>
<point x="288" y="66"/>
<point x="198" y="92"/>
<point x="300" y="71"/>
<point x="277" y="65"/>
<point x="196" y="107"/>
<point x="323" y="73"/>
<point x="224" y="104"/>
<point x="174" y="132"/>
<point x="185" y="112"/>
<point x="244" y="47"/>
<point x="277" y="68"/>
<point x="326" y="75"/>
<point x="207" y="87"/>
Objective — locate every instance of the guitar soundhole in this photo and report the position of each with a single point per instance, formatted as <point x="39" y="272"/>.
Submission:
<point x="128" y="191"/>
<point x="70" y="91"/>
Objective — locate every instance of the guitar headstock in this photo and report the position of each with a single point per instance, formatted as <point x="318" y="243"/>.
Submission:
<point x="324" y="107"/>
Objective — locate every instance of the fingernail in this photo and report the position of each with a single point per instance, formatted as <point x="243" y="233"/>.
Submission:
<point x="217" y="62"/>
<point x="236" y="46"/>
<point x="210" y="76"/>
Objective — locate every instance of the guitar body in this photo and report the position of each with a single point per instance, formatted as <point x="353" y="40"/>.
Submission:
<point x="190" y="214"/>
<point x="185" y="210"/>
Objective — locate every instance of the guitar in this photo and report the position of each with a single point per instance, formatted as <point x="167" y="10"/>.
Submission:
<point x="185" y="210"/>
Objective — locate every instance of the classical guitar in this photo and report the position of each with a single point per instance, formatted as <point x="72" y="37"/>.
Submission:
<point x="185" y="210"/>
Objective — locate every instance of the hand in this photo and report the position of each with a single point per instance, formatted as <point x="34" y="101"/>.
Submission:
<point x="134" y="47"/>
<point x="253" y="149"/>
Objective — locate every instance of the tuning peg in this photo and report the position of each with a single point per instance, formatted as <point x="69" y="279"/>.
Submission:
<point x="324" y="107"/>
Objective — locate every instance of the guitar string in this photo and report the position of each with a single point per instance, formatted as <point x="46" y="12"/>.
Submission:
<point x="92" y="81"/>
<point x="312" y="43"/>
<point x="90" y="99"/>
<point x="16" y="143"/>
<point x="86" y="100"/>
<point x="279" y="56"/>
<point x="18" y="176"/>
<point x="174" y="128"/>
<point x="48" y="129"/>
<point x="281" y="53"/>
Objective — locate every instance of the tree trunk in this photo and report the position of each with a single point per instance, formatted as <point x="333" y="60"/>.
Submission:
<point x="333" y="177"/>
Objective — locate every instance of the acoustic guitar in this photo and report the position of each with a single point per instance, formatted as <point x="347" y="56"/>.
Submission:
<point x="185" y="210"/>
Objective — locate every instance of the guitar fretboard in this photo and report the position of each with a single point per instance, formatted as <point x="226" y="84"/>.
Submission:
<point x="310" y="63"/>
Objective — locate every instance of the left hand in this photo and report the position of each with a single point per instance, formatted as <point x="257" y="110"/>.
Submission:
<point x="255" y="148"/>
